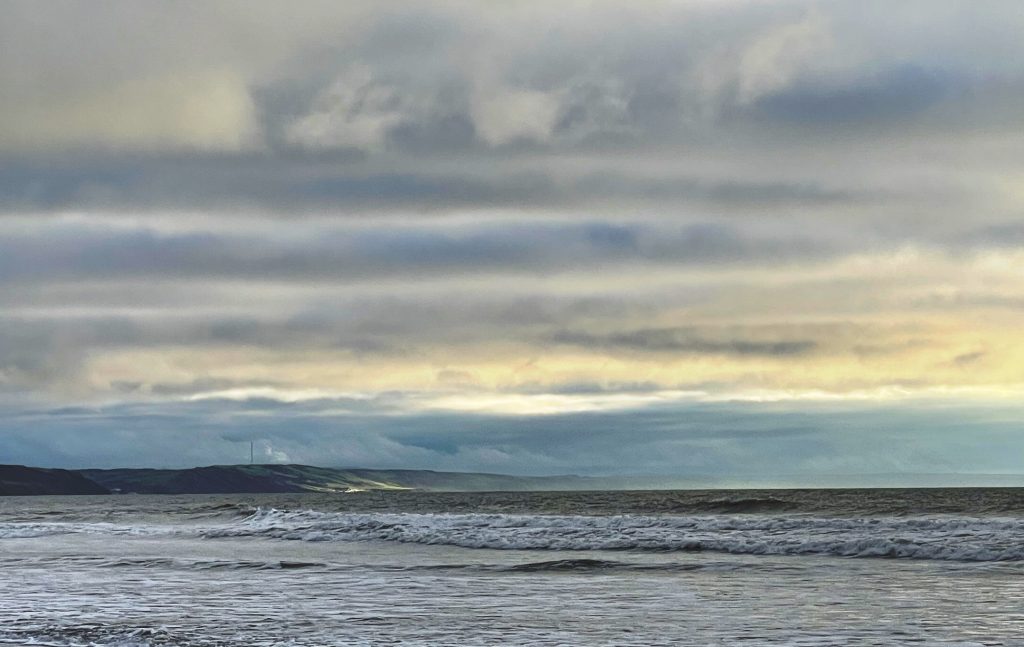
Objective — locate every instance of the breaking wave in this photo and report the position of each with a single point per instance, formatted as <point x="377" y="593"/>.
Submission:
<point x="927" y="537"/>
<point x="48" y="529"/>
<point x="94" y="636"/>
<point x="935" y="537"/>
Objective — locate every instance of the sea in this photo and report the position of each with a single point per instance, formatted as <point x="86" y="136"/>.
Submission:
<point x="738" y="568"/>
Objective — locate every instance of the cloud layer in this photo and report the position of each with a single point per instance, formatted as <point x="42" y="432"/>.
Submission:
<point x="519" y="218"/>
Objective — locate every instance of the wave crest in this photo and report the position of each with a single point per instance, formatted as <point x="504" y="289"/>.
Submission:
<point x="940" y="538"/>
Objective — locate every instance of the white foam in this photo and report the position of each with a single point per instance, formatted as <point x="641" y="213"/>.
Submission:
<point x="944" y="538"/>
<point x="17" y="530"/>
<point x="921" y="537"/>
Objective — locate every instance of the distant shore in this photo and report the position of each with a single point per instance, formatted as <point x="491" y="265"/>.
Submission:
<point x="19" y="480"/>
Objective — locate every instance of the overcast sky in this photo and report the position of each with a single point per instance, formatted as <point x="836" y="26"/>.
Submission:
<point x="715" y="237"/>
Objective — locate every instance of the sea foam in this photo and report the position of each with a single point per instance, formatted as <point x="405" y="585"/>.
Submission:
<point x="933" y="537"/>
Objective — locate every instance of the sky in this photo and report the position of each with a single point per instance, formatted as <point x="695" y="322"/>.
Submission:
<point x="716" y="238"/>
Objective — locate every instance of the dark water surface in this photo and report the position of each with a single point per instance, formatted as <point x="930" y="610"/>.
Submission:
<point x="794" y="567"/>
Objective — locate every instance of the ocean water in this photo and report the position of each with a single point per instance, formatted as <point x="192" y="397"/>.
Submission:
<point x="809" y="567"/>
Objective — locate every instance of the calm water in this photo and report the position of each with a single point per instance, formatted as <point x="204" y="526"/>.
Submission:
<point x="838" y="567"/>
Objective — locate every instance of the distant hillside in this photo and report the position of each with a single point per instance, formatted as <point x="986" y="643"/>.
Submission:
<point x="244" y="479"/>
<point x="17" y="480"/>
<point x="237" y="479"/>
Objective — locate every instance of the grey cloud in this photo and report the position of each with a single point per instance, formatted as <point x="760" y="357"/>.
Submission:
<point x="50" y="344"/>
<point x="647" y="83"/>
<point x="297" y="183"/>
<point x="392" y="180"/>
<point x="894" y="98"/>
<point x="405" y="106"/>
<point x="589" y="388"/>
<point x="732" y="193"/>
<point x="341" y="254"/>
<point x="994" y="235"/>
<point x="46" y="351"/>
<point x="194" y="387"/>
<point x="966" y="359"/>
<point x="682" y="340"/>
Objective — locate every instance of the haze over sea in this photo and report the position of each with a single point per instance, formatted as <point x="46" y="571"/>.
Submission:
<point x="771" y="567"/>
